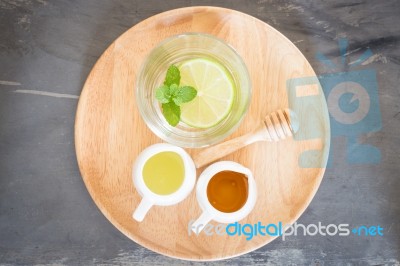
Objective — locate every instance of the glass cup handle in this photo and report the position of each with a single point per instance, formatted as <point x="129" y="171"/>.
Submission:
<point x="142" y="210"/>
<point x="201" y="222"/>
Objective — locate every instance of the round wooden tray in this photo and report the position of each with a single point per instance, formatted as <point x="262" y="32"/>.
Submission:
<point x="109" y="134"/>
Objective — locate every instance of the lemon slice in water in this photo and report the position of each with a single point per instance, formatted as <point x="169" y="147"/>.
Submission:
<point x="215" y="92"/>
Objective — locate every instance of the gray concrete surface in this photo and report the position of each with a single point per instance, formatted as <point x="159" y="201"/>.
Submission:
<point x="47" y="49"/>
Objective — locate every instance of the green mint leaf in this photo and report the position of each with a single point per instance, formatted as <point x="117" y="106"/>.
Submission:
<point x="163" y="94"/>
<point x="173" y="76"/>
<point x="184" y="94"/>
<point x="171" y="96"/>
<point x="177" y="101"/>
<point x="173" y="89"/>
<point x="172" y="113"/>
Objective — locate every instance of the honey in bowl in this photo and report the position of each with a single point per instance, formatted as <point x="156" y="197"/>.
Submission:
<point x="227" y="191"/>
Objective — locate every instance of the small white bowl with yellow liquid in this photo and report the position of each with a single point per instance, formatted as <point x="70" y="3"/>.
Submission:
<point x="163" y="175"/>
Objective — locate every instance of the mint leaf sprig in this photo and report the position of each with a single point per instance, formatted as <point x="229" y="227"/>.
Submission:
<point x="171" y="96"/>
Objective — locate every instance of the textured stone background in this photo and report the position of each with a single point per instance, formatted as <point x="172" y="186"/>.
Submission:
<point x="47" y="49"/>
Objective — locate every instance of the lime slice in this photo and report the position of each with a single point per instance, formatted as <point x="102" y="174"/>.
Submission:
<point x="215" y="92"/>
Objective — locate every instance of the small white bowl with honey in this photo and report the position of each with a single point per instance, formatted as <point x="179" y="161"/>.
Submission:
<point x="226" y="192"/>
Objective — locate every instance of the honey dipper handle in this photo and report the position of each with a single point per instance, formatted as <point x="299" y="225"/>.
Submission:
<point x="209" y="155"/>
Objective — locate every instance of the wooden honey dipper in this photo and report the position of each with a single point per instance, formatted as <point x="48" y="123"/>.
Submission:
<point x="275" y="126"/>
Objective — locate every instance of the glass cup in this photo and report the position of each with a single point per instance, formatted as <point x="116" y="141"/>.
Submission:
<point x="177" y="49"/>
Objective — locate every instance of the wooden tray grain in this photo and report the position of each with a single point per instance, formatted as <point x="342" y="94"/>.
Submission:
<point x="109" y="134"/>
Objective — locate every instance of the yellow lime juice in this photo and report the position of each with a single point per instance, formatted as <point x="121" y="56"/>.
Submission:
<point x="164" y="172"/>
